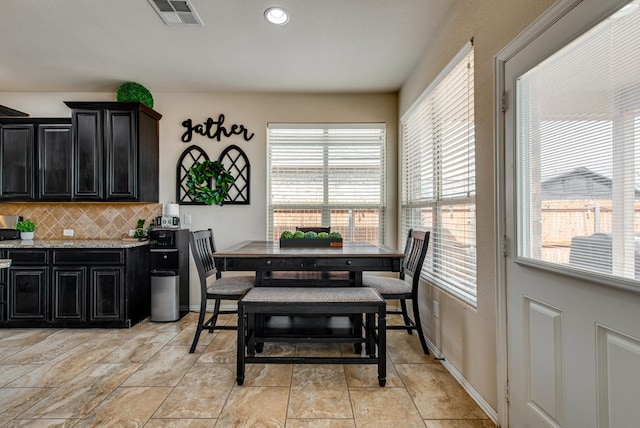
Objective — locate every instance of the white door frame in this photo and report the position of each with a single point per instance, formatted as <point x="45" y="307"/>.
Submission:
<point x="535" y="29"/>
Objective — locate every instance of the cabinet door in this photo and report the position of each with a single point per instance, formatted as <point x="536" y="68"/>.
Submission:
<point x="27" y="293"/>
<point x="16" y="161"/>
<point x="87" y="149"/>
<point x="121" y="148"/>
<point x="106" y="297"/>
<point x="67" y="294"/>
<point x="54" y="157"/>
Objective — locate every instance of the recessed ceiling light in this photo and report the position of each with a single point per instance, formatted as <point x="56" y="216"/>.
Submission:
<point x="276" y="15"/>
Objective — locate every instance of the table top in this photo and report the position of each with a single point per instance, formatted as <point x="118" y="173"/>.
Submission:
<point x="254" y="249"/>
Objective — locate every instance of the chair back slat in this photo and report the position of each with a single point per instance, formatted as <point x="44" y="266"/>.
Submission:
<point x="202" y="248"/>
<point x="415" y="252"/>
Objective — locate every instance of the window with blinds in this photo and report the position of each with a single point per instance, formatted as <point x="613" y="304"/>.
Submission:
<point x="438" y="176"/>
<point x="578" y="148"/>
<point x="327" y="175"/>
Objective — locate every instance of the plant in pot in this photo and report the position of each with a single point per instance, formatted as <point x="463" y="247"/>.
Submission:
<point x="27" y="229"/>
<point x="200" y="177"/>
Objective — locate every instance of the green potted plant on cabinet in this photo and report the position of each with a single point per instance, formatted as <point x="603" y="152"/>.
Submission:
<point x="27" y="229"/>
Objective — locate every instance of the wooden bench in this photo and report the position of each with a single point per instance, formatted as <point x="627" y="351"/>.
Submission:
<point x="295" y="301"/>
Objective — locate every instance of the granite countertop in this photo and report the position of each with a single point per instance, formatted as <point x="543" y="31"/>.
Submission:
<point x="72" y="243"/>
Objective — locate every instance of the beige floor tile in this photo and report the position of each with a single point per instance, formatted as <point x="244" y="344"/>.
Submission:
<point x="366" y="375"/>
<point x="63" y="368"/>
<point x="320" y="423"/>
<point x="255" y="407"/>
<point x="436" y="393"/>
<point x="180" y="423"/>
<point x="139" y="348"/>
<point x="222" y="348"/>
<point x="405" y="348"/>
<point x="384" y="407"/>
<point x="23" y="337"/>
<point x="268" y="374"/>
<point x="319" y="375"/>
<point x="126" y="406"/>
<point x="82" y="394"/>
<point x="461" y="424"/>
<point x="14" y="401"/>
<point x="11" y="372"/>
<point x="50" y="347"/>
<point x="325" y="402"/>
<point x="165" y="368"/>
<point x="41" y="423"/>
<point x="201" y="393"/>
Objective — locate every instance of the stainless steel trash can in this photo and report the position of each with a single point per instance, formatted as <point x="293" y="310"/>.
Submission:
<point x="165" y="295"/>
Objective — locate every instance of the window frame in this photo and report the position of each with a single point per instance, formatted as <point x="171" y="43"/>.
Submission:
<point x="463" y="290"/>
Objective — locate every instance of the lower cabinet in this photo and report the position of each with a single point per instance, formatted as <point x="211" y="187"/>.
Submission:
<point x="76" y="288"/>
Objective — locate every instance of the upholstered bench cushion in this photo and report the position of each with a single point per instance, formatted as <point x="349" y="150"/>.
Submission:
<point x="387" y="286"/>
<point x="231" y="285"/>
<point x="312" y="295"/>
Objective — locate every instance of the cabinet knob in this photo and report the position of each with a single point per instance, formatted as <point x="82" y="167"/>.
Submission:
<point x="268" y="262"/>
<point x="348" y="262"/>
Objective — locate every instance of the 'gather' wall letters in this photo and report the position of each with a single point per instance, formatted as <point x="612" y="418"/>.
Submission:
<point x="214" y="129"/>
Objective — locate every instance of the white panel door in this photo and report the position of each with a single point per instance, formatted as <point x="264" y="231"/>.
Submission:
<point x="573" y="339"/>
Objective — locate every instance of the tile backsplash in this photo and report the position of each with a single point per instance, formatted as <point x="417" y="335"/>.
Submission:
<point x="88" y="220"/>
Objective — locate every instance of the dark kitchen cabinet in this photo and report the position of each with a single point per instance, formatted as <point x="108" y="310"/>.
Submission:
<point x="35" y="159"/>
<point x="117" y="150"/>
<point x="17" y="145"/>
<point x="76" y="287"/>
<point x="28" y="293"/>
<point x="105" y="289"/>
<point x="54" y="160"/>
<point x="68" y="294"/>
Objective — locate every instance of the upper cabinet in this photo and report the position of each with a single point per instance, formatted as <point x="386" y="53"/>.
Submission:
<point x="35" y="159"/>
<point x="116" y="146"/>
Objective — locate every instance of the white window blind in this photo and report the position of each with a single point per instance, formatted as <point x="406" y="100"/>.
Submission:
<point x="578" y="136"/>
<point x="327" y="175"/>
<point x="438" y="176"/>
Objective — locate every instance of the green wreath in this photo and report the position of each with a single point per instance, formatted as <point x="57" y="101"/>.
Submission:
<point x="199" y="179"/>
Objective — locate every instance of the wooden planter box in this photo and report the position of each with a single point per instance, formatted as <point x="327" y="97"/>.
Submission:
<point x="311" y="243"/>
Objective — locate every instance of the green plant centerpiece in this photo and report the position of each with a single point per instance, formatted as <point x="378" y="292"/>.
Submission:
<point x="26" y="226"/>
<point x="310" y="239"/>
<point x="199" y="180"/>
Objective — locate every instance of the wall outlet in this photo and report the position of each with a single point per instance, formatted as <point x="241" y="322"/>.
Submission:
<point x="436" y="309"/>
<point x="187" y="219"/>
<point x="67" y="232"/>
<point x="132" y="232"/>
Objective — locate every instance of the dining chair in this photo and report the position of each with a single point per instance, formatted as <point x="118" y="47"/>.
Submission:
<point x="230" y="288"/>
<point x="400" y="288"/>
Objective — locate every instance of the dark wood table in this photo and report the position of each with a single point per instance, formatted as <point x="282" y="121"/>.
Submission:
<point x="331" y="266"/>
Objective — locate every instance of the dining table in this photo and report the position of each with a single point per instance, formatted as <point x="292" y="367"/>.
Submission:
<point x="313" y="266"/>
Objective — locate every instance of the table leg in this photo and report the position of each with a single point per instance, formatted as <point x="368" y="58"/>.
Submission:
<point x="382" y="346"/>
<point x="241" y="345"/>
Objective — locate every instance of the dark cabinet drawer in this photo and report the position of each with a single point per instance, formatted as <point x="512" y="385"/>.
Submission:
<point x="28" y="257"/>
<point x="88" y="257"/>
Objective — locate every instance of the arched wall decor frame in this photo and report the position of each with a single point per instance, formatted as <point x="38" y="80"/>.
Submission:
<point x="234" y="160"/>
<point x="191" y="156"/>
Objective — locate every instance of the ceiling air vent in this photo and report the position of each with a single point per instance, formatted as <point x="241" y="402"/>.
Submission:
<point x="176" y="12"/>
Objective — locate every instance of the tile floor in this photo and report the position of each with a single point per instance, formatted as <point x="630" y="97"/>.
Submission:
<point x="145" y="377"/>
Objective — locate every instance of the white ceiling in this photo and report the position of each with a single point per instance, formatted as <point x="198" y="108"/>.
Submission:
<point x="328" y="45"/>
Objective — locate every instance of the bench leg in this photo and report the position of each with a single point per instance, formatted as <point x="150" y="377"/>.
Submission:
<point x="382" y="347"/>
<point x="241" y="345"/>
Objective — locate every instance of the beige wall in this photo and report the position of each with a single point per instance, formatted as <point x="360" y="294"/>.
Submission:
<point x="234" y="223"/>
<point x="467" y="335"/>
